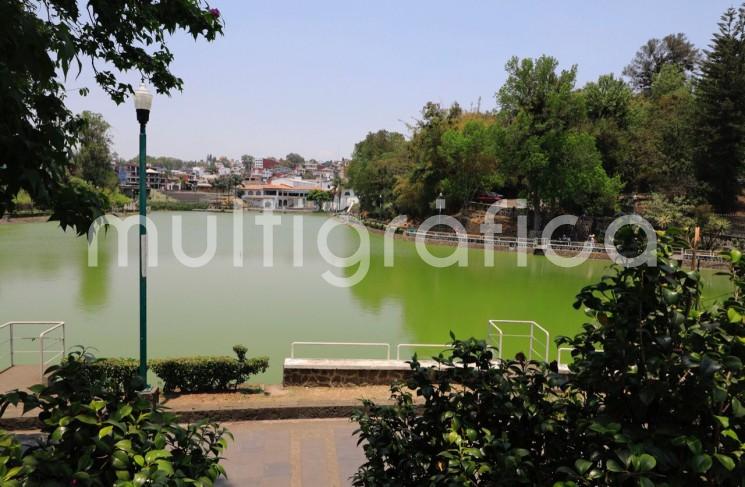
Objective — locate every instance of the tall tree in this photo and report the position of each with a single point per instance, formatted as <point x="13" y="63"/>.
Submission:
<point x="673" y="49"/>
<point x="661" y="137"/>
<point x="92" y="158"/>
<point x="377" y="162"/>
<point x="417" y="192"/>
<point x="721" y="112"/>
<point x="40" y="41"/>
<point x="608" y="104"/>
<point x="248" y="162"/>
<point x="295" y="160"/>
<point x="543" y="149"/>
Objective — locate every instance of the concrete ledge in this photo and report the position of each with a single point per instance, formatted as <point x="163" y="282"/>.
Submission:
<point x="345" y="372"/>
<point x="220" y="415"/>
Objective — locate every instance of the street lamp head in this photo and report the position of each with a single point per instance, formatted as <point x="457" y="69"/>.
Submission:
<point x="143" y="102"/>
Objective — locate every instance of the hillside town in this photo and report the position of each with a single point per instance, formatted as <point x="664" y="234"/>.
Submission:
<point x="258" y="182"/>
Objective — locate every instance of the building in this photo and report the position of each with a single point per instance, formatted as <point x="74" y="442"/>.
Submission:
<point x="281" y="193"/>
<point x="129" y="177"/>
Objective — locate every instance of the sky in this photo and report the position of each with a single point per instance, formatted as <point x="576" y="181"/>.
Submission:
<point x="316" y="77"/>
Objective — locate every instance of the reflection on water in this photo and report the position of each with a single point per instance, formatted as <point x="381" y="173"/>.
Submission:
<point x="44" y="276"/>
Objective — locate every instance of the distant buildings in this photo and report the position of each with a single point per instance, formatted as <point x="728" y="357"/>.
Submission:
<point x="267" y="183"/>
<point x="129" y="178"/>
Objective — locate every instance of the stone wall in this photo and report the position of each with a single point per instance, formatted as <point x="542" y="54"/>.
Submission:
<point x="341" y="377"/>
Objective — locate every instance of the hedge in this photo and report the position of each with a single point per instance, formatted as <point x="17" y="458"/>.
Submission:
<point x="206" y="374"/>
<point x="185" y="374"/>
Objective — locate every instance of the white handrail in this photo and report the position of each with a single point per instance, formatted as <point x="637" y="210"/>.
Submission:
<point x="343" y="344"/>
<point x="562" y="366"/>
<point x="42" y="337"/>
<point x="418" y="345"/>
<point x="493" y="324"/>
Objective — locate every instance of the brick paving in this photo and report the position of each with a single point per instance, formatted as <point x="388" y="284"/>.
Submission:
<point x="292" y="453"/>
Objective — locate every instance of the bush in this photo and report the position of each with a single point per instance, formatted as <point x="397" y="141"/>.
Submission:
<point x="206" y="374"/>
<point x="497" y="427"/>
<point x="660" y="405"/>
<point x="115" y="373"/>
<point x="178" y="205"/>
<point x="185" y="374"/>
<point x="96" y="436"/>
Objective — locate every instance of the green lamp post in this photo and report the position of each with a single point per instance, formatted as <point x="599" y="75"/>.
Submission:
<point x="143" y="102"/>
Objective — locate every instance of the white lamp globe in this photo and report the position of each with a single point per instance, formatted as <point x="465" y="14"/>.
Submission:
<point x="143" y="98"/>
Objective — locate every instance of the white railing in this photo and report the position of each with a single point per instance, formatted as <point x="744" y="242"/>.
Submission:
<point x="562" y="366"/>
<point x="419" y="345"/>
<point x="387" y="346"/>
<point x="52" y="334"/>
<point x="538" y="337"/>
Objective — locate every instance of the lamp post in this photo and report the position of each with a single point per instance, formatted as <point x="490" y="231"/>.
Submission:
<point x="143" y="102"/>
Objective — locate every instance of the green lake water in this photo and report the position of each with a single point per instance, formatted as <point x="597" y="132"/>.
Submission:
<point x="44" y="275"/>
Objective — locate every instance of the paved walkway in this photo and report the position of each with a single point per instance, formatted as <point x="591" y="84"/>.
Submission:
<point x="308" y="453"/>
<point x="287" y="453"/>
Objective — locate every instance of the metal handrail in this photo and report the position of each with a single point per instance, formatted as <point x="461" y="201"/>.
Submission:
<point x="493" y="324"/>
<point x="343" y="344"/>
<point x="419" y="345"/>
<point x="562" y="366"/>
<point x="43" y="340"/>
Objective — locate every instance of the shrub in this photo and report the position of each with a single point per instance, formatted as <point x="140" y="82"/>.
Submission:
<point x="186" y="374"/>
<point x="115" y="373"/>
<point x="178" y="205"/>
<point x="660" y="405"/>
<point x="496" y="427"/>
<point x="206" y="374"/>
<point x="97" y="436"/>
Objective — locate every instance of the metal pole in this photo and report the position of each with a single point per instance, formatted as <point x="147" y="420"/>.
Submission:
<point x="12" y="363"/>
<point x="143" y="257"/>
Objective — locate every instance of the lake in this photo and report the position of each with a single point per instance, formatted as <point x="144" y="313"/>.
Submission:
<point x="44" y="275"/>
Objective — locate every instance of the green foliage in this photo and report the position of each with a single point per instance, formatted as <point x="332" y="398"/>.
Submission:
<point x="377" y="163"/>
<point x="655" y="396"/>
<point x="206" y="374"/>
<point x="78" y="203"/>
<point x="186" y="374"/>
<point x="295" y="160"/>
<point x="320" y="197"/>
<point x="720" y="114"/>
<point x="114" y="373"/>
<point x="672" y="50"/>
<point x="240" y="352"/>
<point x="608" y="98"/>
<point x="482" y="423"/>
<point x="178" y="205"/>
<point x="227" y="182"/>
<point x="93" y="435"/>
<point x="92" y="158"/>
<point x="41" y="42"/>
<point x="544" y="149"/>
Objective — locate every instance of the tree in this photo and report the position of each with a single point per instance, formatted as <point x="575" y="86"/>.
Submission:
<point x="661" y="138"/>
<point x="542" y="149"/>
<point x="471" y="161"/>
<point x="248" y="162"/>
<point x="608" y="98"/>
<point x="41" y="41"/>
<point x="93" y="159"/>
<point x="295" y="160"/>
<point x="417" y="191"/>
<point x="377" y="161"/>
<point x="673" y="49"/>
<point x="721" y="112"/>
<point x="319" y="196"/>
